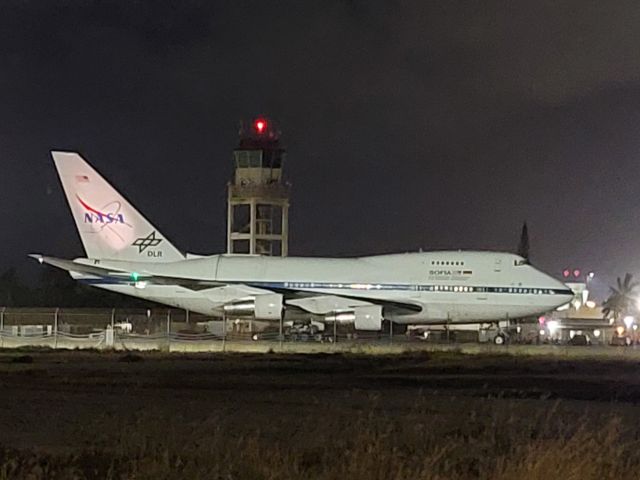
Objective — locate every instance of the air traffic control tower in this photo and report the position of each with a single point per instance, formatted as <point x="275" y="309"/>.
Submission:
<point x="258" y="198"/>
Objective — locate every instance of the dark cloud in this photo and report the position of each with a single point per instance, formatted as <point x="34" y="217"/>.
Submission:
<point x="409" y="123"/>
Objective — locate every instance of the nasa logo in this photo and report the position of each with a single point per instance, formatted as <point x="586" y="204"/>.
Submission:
<point x="93" y="215"/>
<point x="103" y="218"/>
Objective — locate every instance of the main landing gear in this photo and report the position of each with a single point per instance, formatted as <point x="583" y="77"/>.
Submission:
<point x="500" y="339"/>
<point x="495" y="333"/>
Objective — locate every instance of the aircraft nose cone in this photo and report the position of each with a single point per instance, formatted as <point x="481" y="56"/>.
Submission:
<point x="565" y="294"/>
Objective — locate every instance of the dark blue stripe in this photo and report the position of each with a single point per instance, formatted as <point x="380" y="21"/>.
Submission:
<point x="367" y="287"/>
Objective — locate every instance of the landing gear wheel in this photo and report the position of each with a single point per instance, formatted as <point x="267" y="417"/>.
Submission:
<point x="499" y="339"/>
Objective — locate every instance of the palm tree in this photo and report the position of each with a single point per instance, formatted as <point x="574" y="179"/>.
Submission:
<point x="622" y="298"/>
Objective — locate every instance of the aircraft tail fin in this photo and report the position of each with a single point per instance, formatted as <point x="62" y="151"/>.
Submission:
<point x="109" y="226"/>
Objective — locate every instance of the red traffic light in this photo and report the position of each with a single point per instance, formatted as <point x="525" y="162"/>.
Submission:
<point x="260" y="125"/>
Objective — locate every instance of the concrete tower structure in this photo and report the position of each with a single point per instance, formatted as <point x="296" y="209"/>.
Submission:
<point x="257" y="196"/>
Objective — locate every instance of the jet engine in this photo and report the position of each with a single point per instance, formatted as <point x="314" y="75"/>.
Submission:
<point x="263" y="307"/>
<point x="268" y="306"/>
<point x="366" y="317"/>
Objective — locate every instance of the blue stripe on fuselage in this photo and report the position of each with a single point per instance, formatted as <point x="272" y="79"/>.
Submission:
<point x="372" y="287"/>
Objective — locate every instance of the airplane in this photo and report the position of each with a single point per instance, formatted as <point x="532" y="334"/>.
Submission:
<point x="128" y="255"/>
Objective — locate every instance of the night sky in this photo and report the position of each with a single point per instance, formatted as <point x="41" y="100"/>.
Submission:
<point x="409" y="124"/>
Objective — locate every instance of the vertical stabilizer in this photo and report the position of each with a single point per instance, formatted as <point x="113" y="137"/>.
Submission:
<point x="109" y="226"/>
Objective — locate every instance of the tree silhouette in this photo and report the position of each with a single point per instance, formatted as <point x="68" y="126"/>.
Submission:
<point x="621" y="301"/>
<point x="56" y="288"/>
<point x="523" y="246"/>
<point x="10" y="287"/>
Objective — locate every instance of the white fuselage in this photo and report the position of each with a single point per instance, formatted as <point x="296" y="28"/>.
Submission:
<point x="447" y="286"/>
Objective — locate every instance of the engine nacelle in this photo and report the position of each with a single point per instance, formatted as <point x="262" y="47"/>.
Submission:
<point x="262" y="307"/>
<point x="268" y="306"/>
<point x="368" y="317"/>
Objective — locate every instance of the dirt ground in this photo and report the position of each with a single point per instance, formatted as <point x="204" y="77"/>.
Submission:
<point x="58" y="403"/>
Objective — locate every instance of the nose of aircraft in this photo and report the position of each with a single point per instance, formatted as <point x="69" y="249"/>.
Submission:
<point x="563" y="292"/>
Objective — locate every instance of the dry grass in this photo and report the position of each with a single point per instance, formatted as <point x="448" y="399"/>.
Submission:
<point x="370" y="448"/>
<point x="325" y="417"/>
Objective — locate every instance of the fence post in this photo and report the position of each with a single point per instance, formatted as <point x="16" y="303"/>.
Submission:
<point x="169" y="330"/>
<point x="55" y="328"/>
<point x="224" y="331"/>
<point x="2" y="326"/>
<point x="280" y="329"/>
<point x="110" y="331"/>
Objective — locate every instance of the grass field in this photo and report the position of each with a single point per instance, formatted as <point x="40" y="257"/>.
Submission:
<point x="75" y="415"/>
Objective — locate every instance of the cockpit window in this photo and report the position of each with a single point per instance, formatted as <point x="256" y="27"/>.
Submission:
<point x="520" y="262"/>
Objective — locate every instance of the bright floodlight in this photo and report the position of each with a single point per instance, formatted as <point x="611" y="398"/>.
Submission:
<point x="552" y="325"/>
<point x="628" y="321"/>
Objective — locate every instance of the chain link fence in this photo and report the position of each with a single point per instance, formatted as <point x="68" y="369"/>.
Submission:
<point x="180" y="330"/>
<point x="166" y="329"/>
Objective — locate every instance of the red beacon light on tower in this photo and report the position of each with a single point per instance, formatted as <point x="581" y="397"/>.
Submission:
<point x="260" y="126"/>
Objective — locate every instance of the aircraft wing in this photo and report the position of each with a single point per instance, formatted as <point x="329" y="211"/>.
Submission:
<point x="309" y="300"/>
